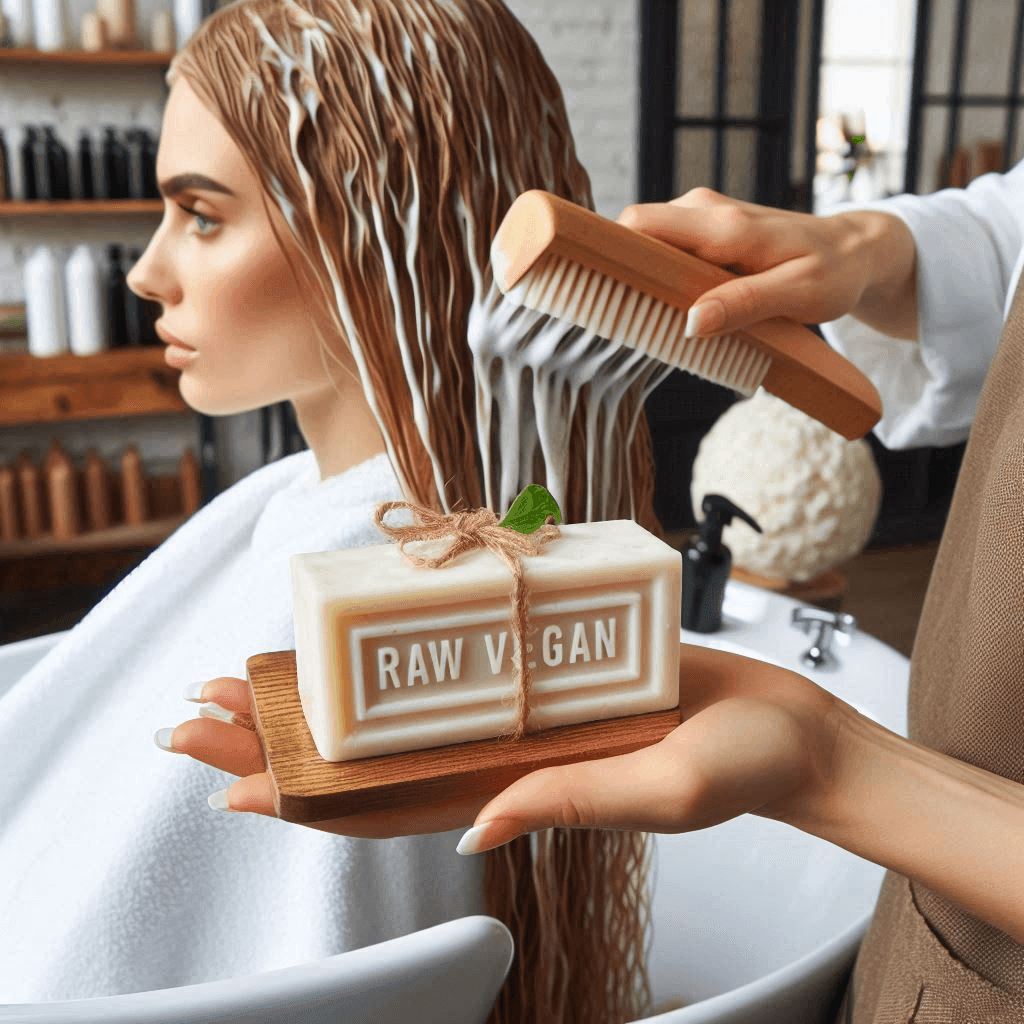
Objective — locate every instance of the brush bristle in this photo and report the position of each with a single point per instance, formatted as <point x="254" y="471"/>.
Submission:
<point x="594" y="301"/>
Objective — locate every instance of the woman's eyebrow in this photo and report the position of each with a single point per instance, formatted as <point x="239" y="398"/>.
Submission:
<point x="192" y="182"/>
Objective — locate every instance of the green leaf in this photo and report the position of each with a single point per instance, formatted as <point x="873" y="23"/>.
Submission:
<point x="530" y="509"/>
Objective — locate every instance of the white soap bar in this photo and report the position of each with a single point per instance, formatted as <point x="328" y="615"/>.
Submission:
<point x="391" y="657"/>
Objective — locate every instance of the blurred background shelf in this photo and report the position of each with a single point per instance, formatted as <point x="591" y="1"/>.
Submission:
<point x="144" y="535"/>
<point x="115" y="383"/>
<point x="78" y="207"/>
<point x="104" y="58"/>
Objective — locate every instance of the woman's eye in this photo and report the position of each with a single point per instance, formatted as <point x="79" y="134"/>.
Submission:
<point x="204" y="225"/>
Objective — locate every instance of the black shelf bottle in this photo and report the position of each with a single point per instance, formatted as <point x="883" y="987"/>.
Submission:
<point x="149" y="166"/>
<point x="85" y="175"/>
<point x="5" y="159"/>
<point x="114" y="162"/>
<point x="116" y="313"/>
<point x="28" y="164"/>
<point x="41" y="163"/>
<point x="57" y="165"/>
<point x="146" y="312"/>
<point x="136" y="161"/>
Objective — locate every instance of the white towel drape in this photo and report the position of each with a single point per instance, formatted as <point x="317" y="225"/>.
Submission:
<point x="115" y="875"/>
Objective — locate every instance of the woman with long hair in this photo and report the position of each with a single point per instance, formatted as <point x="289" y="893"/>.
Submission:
<point x="333" y="174"/>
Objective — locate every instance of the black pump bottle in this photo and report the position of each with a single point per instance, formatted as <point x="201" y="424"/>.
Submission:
<point x="706" y="565"/>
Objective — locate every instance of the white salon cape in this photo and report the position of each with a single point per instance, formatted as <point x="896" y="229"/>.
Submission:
<point x="969" y="249"/>
<point x="115" y="874"/>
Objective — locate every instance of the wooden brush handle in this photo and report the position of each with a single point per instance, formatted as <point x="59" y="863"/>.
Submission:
<point x="805" y="371"/>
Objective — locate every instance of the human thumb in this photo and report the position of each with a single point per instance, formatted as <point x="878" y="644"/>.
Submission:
<point x="645" y="790"/>
<point x="705" y="319"/>
<point x="783" y="290"/>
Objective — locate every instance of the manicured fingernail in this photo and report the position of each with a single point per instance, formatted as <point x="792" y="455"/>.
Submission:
<point x="219" y="800"/>
<point x="471" y="841"/>
<point x="704" y="320"/>
<point x="211" y="710"/>
<point x="162" y="738"/>
<point x="194" y="691"/>
<point x="483" y="837"/>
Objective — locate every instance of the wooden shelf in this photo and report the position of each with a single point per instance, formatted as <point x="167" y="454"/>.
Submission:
<point x="145" y="535"/>
<point x="65" y="207"/>
<point x="104" y="58"/>
<point x="64" y="388"/>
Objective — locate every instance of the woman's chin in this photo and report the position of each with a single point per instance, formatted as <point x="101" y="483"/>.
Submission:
<point x="210" y="402"/>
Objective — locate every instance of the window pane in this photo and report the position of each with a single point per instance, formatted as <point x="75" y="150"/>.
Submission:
<point x="864" y="28"/>
<point x="979" y="125"/>
<point x="940" y="46"/>
<point x="933" y="147"/>
<point x="694" y="148"/>
<point x="743" y="77"/>
<point x="740" y="163"/>
<point x="987" y="54"/>
<point x="698" y="55"/>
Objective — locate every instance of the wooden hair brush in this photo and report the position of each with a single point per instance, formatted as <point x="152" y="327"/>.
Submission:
<point x="568" y="262"/>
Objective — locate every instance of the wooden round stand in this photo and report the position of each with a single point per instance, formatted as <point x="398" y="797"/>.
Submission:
<point x="825" y="590"/>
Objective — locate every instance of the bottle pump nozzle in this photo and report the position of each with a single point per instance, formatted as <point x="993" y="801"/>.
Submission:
<point x="718" y="514"/>
<point x="706" y="564"/>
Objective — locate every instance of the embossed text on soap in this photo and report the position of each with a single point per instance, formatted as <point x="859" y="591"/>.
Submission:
<point x="411" y="661"/>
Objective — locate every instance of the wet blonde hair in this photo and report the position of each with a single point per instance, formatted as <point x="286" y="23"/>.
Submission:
<point x="393" y="135"/>
<point x="474" y="111"/>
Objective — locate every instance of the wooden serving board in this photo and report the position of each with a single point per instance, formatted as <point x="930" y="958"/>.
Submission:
<point x="308" y="788"/>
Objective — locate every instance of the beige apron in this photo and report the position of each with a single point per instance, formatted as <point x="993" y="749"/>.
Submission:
<point x="924" y="960"/>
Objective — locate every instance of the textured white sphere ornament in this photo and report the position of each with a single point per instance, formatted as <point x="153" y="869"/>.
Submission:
<point x="814" y="494"/>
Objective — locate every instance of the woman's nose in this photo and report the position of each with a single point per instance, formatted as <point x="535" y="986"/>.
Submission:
<point x="148" y="283"/>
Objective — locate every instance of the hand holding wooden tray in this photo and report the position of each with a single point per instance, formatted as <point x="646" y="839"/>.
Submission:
<point x="307" y="788"/>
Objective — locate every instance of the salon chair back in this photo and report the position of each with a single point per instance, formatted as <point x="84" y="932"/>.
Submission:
<point x="448" y="974"/>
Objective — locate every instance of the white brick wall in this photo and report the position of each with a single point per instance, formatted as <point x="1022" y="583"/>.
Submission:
<point x="593" y="50"/>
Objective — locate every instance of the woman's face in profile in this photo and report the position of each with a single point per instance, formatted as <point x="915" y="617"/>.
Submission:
<point x="217" y="270"/>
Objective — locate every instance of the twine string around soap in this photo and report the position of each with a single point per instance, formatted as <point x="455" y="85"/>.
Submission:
<point x="472" y="529"/>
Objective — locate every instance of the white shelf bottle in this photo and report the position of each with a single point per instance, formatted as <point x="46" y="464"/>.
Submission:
<point x="51" y="24"/>
<point x="44" y="304"/>
<point x="187" y="16"/>
<point x="84" y="291"/>
<point x="19" y="22"/>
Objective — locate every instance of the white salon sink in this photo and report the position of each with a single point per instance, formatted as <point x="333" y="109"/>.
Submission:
<point x="754" y="921"/>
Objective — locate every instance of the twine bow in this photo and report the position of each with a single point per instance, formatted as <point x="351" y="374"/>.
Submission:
<point x="473" y="529"/>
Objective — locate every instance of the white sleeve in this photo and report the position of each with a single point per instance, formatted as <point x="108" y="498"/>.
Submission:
<point x="969" y="249"/>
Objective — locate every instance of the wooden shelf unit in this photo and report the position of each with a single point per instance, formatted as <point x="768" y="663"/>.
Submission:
<point x="112" y="384"/>
<point x="146" y="535"/>
<point x="88" y="558"/>
<point x="78" y="207"/>
<point x="103" y="58"/>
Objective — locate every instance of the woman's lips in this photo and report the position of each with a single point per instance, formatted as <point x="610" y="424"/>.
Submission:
<point x="178" y="356"/>
<point x="177" y="353"/>
<point x="169" y="339"/>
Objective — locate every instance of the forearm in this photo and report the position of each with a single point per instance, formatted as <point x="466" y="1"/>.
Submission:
<point x="889" y="254"/>
<point x="957" y="829"/>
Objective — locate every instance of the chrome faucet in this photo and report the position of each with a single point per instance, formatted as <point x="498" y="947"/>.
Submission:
<point x="819" y="655"/>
